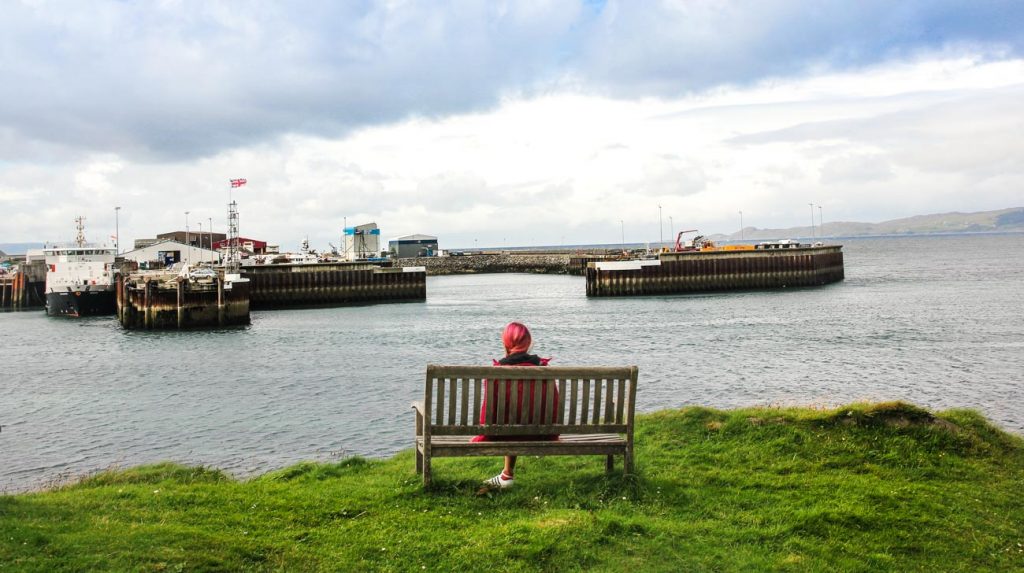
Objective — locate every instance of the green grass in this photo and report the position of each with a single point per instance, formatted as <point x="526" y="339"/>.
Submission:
<point x="882" y="487"/>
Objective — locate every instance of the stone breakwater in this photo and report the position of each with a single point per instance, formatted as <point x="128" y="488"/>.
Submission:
<point x="558" y="264"/>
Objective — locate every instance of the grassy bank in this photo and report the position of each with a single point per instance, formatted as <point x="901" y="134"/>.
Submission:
<point x="862" y="488"/>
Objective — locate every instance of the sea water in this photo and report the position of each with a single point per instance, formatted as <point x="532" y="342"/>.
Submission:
<point x="936" y="321"/>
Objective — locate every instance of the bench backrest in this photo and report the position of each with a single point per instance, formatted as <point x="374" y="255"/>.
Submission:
<point x="590" y="400"/>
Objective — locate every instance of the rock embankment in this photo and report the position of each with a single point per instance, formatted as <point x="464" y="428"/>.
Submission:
<point x="559" y="264"/>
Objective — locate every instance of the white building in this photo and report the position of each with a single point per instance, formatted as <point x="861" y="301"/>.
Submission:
<point x="166" y="253"/>
<point x="362" y="242"/>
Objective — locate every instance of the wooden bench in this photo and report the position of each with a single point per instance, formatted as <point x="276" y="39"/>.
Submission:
<point x="594" y="413"/>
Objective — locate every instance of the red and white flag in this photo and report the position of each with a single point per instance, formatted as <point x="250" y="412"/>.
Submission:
<point x="238" y="182"/>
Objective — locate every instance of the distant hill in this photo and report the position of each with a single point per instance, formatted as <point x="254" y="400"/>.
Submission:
<point x="18" y="248"/>
<point x="1003" y="220"/>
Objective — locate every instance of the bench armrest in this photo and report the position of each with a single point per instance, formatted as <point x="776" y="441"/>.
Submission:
<point x="418" y="406"/>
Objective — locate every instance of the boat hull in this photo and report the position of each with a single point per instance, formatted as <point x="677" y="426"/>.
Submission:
<point x="81" y="303"/>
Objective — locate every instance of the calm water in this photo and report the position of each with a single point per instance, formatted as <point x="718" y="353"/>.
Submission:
<point x="936" y="321"/>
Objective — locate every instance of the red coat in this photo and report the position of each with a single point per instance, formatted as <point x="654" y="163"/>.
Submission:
<point x="532" y="400"/>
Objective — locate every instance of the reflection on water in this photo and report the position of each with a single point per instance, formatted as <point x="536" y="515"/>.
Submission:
<point x="935" y="321"/>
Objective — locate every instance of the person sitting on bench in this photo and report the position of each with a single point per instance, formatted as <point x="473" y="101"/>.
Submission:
<point x="517" y="341"/>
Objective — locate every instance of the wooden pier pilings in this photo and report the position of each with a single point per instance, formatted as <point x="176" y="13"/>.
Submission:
<point x="146" y="302"/>
<point x="706" y="271"/>
<point x="24" y="288"/>
<point x="324" y="284"/>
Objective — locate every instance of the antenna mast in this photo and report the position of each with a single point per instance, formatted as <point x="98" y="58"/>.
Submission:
<point x="231" y="266"/>
<point x="80" y="239"/>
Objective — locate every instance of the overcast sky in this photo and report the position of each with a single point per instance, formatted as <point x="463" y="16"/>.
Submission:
<point x="503" y="123"/>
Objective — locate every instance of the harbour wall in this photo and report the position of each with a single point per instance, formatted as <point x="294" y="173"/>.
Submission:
<point x="24" y="288"/>
<point x="535" y="263"/>
<point x="324" y="284"/>
<point x="146" y="302"/>
<point x="717" y="271"/>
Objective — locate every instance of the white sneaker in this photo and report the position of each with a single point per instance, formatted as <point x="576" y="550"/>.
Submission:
<point x="499" y="482"/>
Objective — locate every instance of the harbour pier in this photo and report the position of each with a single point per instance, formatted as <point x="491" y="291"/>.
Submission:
<point x="717" y="270"/>
<point x="24" y="288"/>
<point x="563" y="262"/>
<point x="335" y="283"/>
<point x="159" y="300"/>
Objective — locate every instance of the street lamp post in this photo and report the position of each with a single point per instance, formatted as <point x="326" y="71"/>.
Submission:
<point x="812" y="221"/>
<point x="188" y="245"/>
<point x="661" y="229"/>
<point x="741" y="225"/>
<point x="202" y="256"/>
<point x="210" y="221"/>
<point x="821" y="221"/>
<point x="117" y="232"/>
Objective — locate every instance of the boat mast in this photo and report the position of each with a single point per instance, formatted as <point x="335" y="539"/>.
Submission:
<point x="80" y="239"/>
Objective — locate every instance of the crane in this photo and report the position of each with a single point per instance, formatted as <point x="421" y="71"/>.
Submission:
<point x="679" y="238"/>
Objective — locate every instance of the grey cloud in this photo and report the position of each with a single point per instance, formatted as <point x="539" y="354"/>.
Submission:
<point x="689" y="46"/>
<point x="180" y="80"/>
<point x="199" y="77"/>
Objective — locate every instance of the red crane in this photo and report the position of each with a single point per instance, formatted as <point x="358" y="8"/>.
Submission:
<point x="679" y="238"/>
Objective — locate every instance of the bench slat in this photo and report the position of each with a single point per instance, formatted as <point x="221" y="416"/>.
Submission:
<point x="462" y="447"/>
<point x="561" y="401"/>
<point x="464" y="402"/>
<point x="476" y="400"/>
<point x="530" y="373"/>
<point x="513" y="408"/>
<point x="575" y="398"/>
<point x="452" y="395"/>
<point x="535" y="412"/>
<point x="586" y="401"/>
<point x="549" y="404"/>
<point x="502" y="388"/>
<point x="583" y="439"/>
<point x="527" y="430"/>
<point x="529" y="449"/>
<point x="608" y="400"/>
<point x="440" y="400"/>
<point x="620" y="401"/>
<point x="596" y="418"/>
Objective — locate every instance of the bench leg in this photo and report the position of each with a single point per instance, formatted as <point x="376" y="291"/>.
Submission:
<point x="415" y="445"/>
<point x="609" y="464"/>
<point x="627" y="462"/>
<point x="426" y="470"/>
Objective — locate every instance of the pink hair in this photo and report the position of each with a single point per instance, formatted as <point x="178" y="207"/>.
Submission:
<point x="516" y="338"/>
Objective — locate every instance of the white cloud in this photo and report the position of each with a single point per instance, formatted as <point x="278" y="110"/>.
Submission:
<point x="890" y="141"/>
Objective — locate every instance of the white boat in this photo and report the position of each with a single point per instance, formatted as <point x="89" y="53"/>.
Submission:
<point x="80" y="278"/>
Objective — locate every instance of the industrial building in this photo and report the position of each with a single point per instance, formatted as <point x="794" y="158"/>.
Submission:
<point x="251" y="246"/>
<point x="196" y="238"/>
<point x="413" y="246"/>
<point x="166" y="253"/>
<point x="361" y="242"/>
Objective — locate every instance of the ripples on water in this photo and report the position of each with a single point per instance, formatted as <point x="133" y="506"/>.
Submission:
<point x="936" y="321"/>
